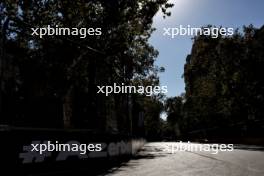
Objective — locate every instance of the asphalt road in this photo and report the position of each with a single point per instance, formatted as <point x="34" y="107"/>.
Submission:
<point x="156" y="159"/>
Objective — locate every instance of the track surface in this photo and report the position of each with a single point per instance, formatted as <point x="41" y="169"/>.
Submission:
<point x="157" y="160"/>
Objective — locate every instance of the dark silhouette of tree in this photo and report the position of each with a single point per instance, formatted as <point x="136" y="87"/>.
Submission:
<point x="54" y="78"/>
<point x="224" y="86"/>
<point x="175" y="123"/>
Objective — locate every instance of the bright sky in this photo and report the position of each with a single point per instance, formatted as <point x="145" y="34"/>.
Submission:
<point x="197" y="13"/>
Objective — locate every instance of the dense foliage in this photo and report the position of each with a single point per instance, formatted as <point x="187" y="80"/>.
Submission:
<point x="224" y="86"/>
<point x="46" y="80"/>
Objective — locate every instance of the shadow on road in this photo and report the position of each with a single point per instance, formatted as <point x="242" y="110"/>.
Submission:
<point x="249" y="147"/>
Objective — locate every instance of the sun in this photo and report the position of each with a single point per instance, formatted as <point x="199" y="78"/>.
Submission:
<point x="180" y="9"/>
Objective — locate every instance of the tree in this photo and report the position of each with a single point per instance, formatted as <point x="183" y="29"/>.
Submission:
<point x="175" y="121"/>
<point x="223" y="83"/>
<point x="56" y="76"/>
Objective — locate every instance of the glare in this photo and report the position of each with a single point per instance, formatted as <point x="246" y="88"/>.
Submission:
<point x="164" y="116"/>
<point x="178" y="10"/>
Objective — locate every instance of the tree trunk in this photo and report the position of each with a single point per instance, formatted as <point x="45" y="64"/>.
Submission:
<point x="2" y="58"/>
<point x="67" y="108"/>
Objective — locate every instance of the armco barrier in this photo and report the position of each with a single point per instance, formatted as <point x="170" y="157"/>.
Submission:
<point x="16" y="151"/>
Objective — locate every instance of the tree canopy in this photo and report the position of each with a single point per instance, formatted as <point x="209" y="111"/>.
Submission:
<point x="44" y="80"/>
<point x="224" y="87"/>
